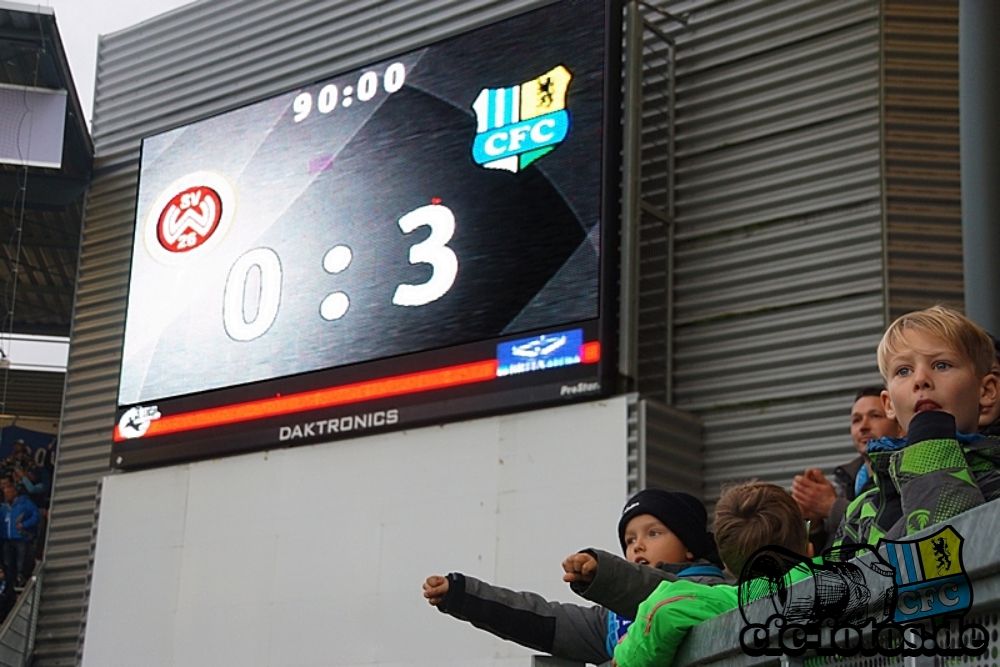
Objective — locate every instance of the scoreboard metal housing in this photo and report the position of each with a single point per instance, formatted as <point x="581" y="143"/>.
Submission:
<point x="427" y="238"/>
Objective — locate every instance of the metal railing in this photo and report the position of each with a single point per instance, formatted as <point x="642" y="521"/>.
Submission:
<point x="716" y="642"/>
<point x="17" y="634"/>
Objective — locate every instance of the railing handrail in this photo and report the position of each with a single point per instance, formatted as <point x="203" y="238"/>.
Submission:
<point x="22" y="599"/>
<point x="26" y="609"/>
<point x="716" y="641"/>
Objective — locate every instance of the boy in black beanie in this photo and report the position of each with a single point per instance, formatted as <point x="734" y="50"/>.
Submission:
<point x="663" y="529"/>
<point x="656" y="527"/>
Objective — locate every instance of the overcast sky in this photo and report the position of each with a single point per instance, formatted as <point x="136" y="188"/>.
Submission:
<point x="81" y="21"/>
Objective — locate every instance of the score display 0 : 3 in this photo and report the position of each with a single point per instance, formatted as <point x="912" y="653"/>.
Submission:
<point x="248" y="313"/>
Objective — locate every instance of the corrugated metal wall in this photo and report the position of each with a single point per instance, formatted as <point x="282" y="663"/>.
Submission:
<point x="778" y="300"/>
<point x="196" y="61"/>
<point x="922" y="176"/>
<point x="779" y="294"/>
<point x="670" y="448"/>
<point x="88" y="414"/>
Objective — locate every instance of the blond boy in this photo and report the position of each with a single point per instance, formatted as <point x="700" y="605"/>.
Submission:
<point x="936" y="364"/>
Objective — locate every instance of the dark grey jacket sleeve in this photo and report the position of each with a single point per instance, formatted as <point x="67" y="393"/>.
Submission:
<point x="564" y="630"/>
<point x="619" y="585"/>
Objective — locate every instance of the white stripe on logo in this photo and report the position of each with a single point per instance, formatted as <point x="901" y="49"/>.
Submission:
<point x="499" y="107"/>
<point x="904" y="572"/>
<point x="918" y="570"/>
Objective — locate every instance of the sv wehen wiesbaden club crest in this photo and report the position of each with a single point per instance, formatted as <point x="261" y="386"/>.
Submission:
<point x="189" y="218"/>
<point x="517" y="125"/>
<point x="192" y="214"/>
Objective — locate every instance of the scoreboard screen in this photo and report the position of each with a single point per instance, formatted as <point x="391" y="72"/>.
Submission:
<point x="422" y="239"/>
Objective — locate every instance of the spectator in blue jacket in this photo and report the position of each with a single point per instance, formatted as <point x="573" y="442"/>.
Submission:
<point x="18" y="518"/>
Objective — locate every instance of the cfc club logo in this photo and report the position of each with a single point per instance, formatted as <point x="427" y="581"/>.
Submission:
<point x="192" y="214"/>
<point x="517" y="125"/>
<point x="189" y="219"/>
<point x="930" y="579"/>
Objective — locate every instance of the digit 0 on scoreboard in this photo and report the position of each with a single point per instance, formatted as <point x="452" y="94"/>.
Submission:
<point x="425" y="237"/>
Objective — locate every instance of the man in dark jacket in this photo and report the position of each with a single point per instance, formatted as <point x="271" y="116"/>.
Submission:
<point x="823" y="503"/>
<point x="663" y="533"/>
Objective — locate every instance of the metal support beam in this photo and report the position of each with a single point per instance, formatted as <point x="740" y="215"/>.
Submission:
<point x="979" y="109"/>
<point x="631" y="182"/>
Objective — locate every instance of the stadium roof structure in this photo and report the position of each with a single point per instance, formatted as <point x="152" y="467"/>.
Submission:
<point x="45" y="203"/>
<point x="41" y="207"/>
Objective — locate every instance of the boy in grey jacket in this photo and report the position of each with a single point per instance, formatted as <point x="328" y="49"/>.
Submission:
<point x="663" y="533"/>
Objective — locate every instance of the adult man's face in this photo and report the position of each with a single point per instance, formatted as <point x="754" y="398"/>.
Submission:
<point x="869" y="422"/>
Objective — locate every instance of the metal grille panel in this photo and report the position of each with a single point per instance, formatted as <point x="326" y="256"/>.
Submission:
<point x="778" y="259"/>
<point x="923" y="188"/>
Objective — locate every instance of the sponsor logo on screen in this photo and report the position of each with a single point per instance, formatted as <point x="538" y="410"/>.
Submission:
<point x="135" y="421"/>
<point x="539" y="353"/>
<point x="518" y="125"/>
<point x="191" y="215"/>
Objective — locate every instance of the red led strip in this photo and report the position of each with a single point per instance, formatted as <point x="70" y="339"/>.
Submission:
<point x="440" y="378"/>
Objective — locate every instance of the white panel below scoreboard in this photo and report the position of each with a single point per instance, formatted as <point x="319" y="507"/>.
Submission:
<point x="314" y="556"/>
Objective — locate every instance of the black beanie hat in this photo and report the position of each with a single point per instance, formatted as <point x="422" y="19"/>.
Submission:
<point x="681" y="512"/>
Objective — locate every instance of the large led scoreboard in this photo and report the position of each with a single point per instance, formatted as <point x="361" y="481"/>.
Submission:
<point x="423" y="239"/>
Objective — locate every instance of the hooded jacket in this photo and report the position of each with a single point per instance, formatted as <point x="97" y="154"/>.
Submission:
<point x="845" y="476"/>
<point x="930" y="476"/>
<point x="664" y="619"/>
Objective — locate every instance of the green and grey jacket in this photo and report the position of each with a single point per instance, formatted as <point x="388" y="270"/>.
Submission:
<point x="622" y="586"/>
<point x="664" y="619"/>
<point x="564" y="630"/>
<point x="929" y="477"/>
